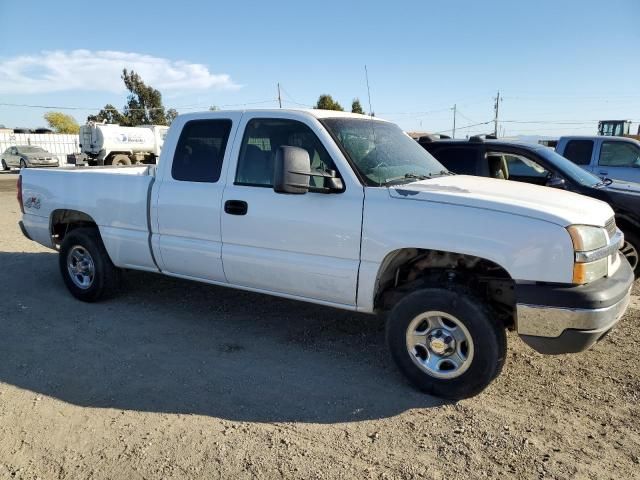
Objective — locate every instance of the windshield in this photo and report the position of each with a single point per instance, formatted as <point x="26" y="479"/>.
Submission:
<point x="382" y="153"/>
<point x="31" y="150"/>
<point x="568" y="168"/>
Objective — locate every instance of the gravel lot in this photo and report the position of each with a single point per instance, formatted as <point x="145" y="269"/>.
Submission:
<point x="175" y="379"/>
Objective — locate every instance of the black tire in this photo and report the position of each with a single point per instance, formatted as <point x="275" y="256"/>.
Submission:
<point x="120" y="160"/>
<point x="106" y="276"/>
<point x="489" y="342"/>
<point x="4" y="165"/>
<point x="23" y="164"/>
<point x="631" y="250"/>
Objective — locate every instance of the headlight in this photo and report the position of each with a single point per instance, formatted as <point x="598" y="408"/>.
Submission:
<point x="587" y="238"/>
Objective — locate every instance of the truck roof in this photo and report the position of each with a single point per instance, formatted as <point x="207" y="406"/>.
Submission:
<point x="498" y="142"/>
<point x="594" y="137"/>
<point x="317" y="113"/>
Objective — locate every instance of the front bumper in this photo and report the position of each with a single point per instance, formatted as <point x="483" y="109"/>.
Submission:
<point x="555" y="319"/>
<point x="40" y="164"/>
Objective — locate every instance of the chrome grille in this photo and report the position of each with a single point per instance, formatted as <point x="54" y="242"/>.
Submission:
<point x="610" y="227"/>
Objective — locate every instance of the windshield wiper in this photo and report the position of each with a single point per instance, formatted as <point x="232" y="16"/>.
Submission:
<point x="407" y="176"/>
<point x="415" y="176"/>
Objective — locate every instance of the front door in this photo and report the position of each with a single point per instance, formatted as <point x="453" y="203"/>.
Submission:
<point x="189" y="198"/>
<point x="619" y="160"/>
<point x="11" y="157"/>
<point x="304" y="245"/>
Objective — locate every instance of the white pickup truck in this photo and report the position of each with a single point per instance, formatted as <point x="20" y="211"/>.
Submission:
<point x="346" y="211"/>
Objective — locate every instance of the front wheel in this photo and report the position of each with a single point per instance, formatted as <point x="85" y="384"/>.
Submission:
<point x="631" y="250"/>
<point x="4" y="165"/>
<point x="85" y="266"/>
<point x="446" y="342"/>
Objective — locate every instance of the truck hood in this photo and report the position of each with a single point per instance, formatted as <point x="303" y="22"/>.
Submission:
<point x="517" y="198"/>
<point x="619" y="186"/>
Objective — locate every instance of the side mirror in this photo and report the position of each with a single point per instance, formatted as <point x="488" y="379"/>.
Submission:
<point x="291" y="170"/>
<point x="332" y="183"/>
<point x="556" y="182"/>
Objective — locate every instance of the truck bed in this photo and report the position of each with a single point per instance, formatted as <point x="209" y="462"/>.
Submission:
<point x="116" y="199"/>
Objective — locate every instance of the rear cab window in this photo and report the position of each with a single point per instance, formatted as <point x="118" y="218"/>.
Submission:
<point x="579" y="151"/>
<point x="200" y="150"/>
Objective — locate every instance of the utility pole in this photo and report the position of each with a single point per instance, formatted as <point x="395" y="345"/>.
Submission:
<point x="454" y="121"/>
<point x="495" y="119"/>
<point x="279" y="97"/>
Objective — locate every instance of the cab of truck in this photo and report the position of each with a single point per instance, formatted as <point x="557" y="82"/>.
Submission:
<point x="612" y="157"/>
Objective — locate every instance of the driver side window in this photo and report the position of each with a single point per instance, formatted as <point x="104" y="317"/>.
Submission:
<point x="263" y="137"/>
<point x="619" y="154"/>
<point x="523" y="167"/>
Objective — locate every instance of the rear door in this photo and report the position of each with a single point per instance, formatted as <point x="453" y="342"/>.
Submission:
<point x="619" y="159"/>
<point x="580" y="152"/>
<point x="189" y="198"/>
<point x="304" y="245"/>
<point x="462" y="160"/>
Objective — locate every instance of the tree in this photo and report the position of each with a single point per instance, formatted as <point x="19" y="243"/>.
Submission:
<point x="61" y="122"/>
<point x="356" y="107"/>
<point x="326" y="102"/>
<point x="143" y="107"/>
<point x="172" y="113"/>
<point x="108" y="114"/>
<point x="144" y="103"/>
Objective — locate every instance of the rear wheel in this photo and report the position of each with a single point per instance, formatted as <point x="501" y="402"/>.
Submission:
<point x="85" y="266"/>
<point x="120" y="160"/>
<point x="631" y="250"/>
<point x="446" y="342"/>
<point x="23" y="164"/>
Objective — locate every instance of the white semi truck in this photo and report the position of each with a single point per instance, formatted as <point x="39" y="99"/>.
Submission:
<point x="112" y="144"/>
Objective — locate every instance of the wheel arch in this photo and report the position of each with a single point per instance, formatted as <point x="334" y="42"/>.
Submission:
<point x="626" y="221"/>
<point x="405" y="269"/>
<point x="62" y="221"/>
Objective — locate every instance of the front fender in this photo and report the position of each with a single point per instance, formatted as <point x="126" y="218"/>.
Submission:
<point x="528" y="249"/>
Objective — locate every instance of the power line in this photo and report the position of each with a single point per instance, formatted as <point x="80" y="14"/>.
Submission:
<point x="466" y="126"/>
<point x="184" y="107"/>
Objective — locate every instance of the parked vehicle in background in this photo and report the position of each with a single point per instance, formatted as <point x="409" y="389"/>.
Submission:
<point x="111" y="144"/>
<point x="540" y="165"/>
<point x="346" y="211"/>
<point x="607" y="157"/>
<point x="25" y="156"/>
<point x="617" y="128"/>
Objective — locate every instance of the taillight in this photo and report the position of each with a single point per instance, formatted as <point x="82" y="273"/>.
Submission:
<point x="19" y="196"/>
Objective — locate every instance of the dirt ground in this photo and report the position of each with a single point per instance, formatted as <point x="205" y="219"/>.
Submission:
<point x="175" y="380"/>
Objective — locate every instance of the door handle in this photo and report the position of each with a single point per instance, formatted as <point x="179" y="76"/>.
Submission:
<point x="236" y="207"/>
<point x="603" y="173"/>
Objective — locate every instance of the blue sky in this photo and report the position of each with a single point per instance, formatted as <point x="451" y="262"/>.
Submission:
<point x="563" y="64"/>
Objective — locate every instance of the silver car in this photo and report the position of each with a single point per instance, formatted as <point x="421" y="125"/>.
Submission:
<point x="24" y="156"/>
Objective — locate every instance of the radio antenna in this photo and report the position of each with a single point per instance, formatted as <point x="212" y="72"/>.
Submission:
<point x="366" y="75"/>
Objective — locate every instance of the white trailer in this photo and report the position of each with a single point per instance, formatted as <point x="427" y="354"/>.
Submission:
<point x="112" y="144"/>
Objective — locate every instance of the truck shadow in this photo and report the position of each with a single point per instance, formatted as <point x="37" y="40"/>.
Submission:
<point x="173" y="346"/>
